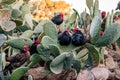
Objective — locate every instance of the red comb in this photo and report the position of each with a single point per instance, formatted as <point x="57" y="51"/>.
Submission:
<point x="75" y="29"/>
<point x="67" y="32"/>
<point x="26" y="48"/>
<point x="101" y="33"/>
<point x="61" y="15"/>
<point x="37" y="42"/>
<point x="104" y="13"/>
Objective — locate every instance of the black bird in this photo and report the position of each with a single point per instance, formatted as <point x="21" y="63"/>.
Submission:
<point x="33" y="47"/>
<point x="103" y="14"/>
<point x="118" y="6"/>
<point x="20" y="58"/>
<point x="78" y="38"/>
<point x="64" y="38"/>
<point x="58" y="19"/>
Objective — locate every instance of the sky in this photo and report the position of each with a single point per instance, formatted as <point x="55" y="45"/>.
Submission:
<point x="104" y="5"/>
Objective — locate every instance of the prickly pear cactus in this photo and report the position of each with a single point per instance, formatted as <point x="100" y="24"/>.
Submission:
<point x="19" y="43"/>
<point x="107" y="37"/>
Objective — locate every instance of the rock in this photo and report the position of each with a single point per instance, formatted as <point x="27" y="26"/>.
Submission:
<point x="117" y="73"/>
<point x="64" y="75"/>
<point x="100" y="73"/>
<point x="37" y="73"/>
<point x="110" y="63"/>
<point x="85" y="75"/>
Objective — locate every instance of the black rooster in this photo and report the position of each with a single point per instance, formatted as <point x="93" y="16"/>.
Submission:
<point x="78" y="38"/>
<point x="64" y="38"/>
<point x="58" y="19"/>
<point x="103" y="14"/>
<point x="118" y="6"/>
<point x="33" y="47"/>
<point x="20" y="58"/>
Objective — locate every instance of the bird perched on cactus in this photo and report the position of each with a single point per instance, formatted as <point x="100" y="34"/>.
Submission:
<point x="118" y="6"/>
<point x="58" y="19"/>
<point x="103" y="14"/>
<point x="33" y="47"/>
<point x="20" y="58"/>
<point x="78" y="38"/>
<point x="64" y="38"/>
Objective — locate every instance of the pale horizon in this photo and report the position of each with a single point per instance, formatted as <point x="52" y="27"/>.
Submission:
<point x="106" y="5"/>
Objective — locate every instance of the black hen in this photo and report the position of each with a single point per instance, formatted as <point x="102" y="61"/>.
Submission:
<point x="103" y="14"/>
<point x="78" y="38"/>
<point x="20" y="58"/>
<point x="33" y="47"/>
<point x="64" y="38"/>
<point x="118" y="6"/>
<point x="103" y="20"/>
<point x="58" y="19"/>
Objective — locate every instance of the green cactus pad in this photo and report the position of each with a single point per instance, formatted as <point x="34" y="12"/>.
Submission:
<point x="19" y="43"/>
<point x="111" y="34"/>
<point x="50" y="30"/>
<point x="18" y="73"/>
